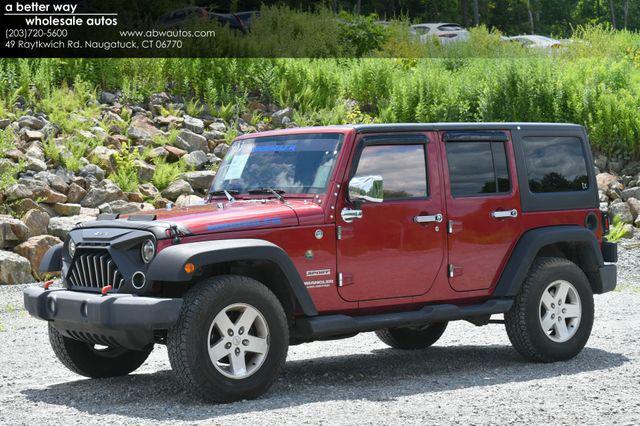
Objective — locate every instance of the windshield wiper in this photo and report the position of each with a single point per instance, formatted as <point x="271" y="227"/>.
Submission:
<point x="266" y="190"/>
<point x="229" y="193"/>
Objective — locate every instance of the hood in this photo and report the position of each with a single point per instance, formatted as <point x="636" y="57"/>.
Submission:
<point x="219" y="217"/>
<point x="223" y="217"/>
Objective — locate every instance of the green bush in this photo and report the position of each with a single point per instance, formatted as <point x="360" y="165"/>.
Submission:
<point x="166" y="173"/>
<point x="125" y="174"/>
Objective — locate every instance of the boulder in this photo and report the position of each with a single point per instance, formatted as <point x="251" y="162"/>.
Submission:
<point x="176" y="189"/>
<point x="103" y="157"/>
<point x="14" y="269"/>
<point x="161" y="203"/>
<point x="194" y="124"/>
<point x="195" y="160"/>
<point x="174" y="153"/>
<point x="634" y="207"/>
<point x="67" y="209"/>
<point x="91" y="170"/>
<point x="158" y="100"/>
<point x="76" y="193"/>
<point x="31" y="122"/>
<point x="157" y="152"/>
<point x="628" y="231"/>
<point x="35" y="164"/>
<point x="24" y="205"/>
<point x="630" y="193"/>
<point x="622" y="211"/>
<point x="12" y="231"/>
<point x="148" y="190"/>
<point x="221" y="150"/>
<point x="48" y="196"/>
<point x="99" y="195"/>
<point x="55" y="181"/>
<point x="189" y="200"/>
<point x="7" y="166"/>
<point x="278" y="117"/>
<point x="4" y="123"/>
<point x="37" y="221"/>
<point x="108" y="98"/>
<point x="142" y="129"/>
<point x="61" y="226"/>
<point x="34" y="249"/>
<point x="18" y="191"/>
<point x="145" y="170"/>
<point x="134" y="197"/>
<point x="190" y="141"/>
<point x="168" y="120"/>
<point x="213" y="135"/>
<point x="218" y="126"/>
<point x="35" y="151"/>
<point x="121" y="207"/>
<point x="32" y="135"/>
<point x="200" y="180"/>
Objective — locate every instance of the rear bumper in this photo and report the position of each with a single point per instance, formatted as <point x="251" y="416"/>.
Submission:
<point x="114" y="320"/>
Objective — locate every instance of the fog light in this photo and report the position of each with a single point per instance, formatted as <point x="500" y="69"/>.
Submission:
<point x="138" y="280"/>
<point x="52" y="306"/>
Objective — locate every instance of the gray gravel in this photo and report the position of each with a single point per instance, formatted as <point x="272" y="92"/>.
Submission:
<point x="472" y="375"/>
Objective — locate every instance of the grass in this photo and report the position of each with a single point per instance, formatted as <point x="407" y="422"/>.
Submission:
<point x="616" y="231"/>
<point x="126" y="173"/>
<point x="165" y="173"/>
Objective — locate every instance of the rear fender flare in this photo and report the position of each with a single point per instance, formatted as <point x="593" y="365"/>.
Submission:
<point x="169" y="264"/>
<point x="528" y="247"/>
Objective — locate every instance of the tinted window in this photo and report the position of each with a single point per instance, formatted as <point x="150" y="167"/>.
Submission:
<point x="402" y="167"/>
<point x="555" y="164"/>
<point x="477" y="168"/>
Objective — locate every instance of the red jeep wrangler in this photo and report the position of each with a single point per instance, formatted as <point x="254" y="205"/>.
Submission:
<point x="323" y="233"/>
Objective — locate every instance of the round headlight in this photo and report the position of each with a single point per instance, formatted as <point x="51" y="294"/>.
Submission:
<point x="148" y="251"/>
<point x="71" y="248"/>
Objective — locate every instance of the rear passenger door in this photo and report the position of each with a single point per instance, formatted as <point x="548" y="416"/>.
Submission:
<point x="483" y="206"/>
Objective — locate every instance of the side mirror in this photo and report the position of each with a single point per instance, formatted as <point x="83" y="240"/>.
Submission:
<point x="366" y="188"/>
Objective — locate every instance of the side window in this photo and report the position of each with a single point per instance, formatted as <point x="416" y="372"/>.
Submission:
<point x="402" y="167"/>
<point x="555" y="164"/>
<point x="477" y="168"/>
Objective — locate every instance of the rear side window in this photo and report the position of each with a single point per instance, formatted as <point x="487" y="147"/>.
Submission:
<point x="555" y="164"/>
<point x="477" y="168"/>
<point x="402" y="167"/>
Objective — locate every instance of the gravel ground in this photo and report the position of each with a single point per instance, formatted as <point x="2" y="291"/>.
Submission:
<point x="472" y="375"/>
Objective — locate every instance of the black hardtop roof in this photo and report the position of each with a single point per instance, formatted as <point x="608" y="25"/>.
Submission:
<point x="413" y="127"/>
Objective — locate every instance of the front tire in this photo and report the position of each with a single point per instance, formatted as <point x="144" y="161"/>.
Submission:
<point x="230" y="341"/>
<point x="87" y="360"/>
<point x="419" y="337"/>
<point x="552" y="316"/>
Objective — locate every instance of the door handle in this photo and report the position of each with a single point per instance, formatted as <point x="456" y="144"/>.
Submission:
<point x="349" y="215"/>
<point x="427" y="219"/>
<point x="504" y="214"/>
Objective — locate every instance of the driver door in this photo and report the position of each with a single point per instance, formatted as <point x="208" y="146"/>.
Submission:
<point x="396" y="248"/>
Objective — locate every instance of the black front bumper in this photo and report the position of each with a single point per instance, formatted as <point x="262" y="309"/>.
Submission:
<point x="113" y="320"/>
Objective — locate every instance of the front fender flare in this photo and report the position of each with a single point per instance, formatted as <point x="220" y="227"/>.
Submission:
<point x="52" y="259"/>
<point x="168" y="265"/>
<point x="528" y="247"/>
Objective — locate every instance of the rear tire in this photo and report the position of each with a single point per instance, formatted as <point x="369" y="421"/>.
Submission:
<point x="412" y="337"/>
<point x="552" y="316"/>
<point x="86" y="360"/>
<point x="230" y="341"/>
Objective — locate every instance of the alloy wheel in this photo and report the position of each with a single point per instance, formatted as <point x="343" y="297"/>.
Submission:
<point x="238" y="341"/>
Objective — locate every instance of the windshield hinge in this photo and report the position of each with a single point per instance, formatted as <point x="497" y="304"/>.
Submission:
<point x="339" y="232"/>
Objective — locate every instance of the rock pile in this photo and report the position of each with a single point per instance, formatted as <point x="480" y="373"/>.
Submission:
<point x="45" y="200"/>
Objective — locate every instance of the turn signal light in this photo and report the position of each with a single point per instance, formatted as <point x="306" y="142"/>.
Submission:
<point x="189" y="268"/>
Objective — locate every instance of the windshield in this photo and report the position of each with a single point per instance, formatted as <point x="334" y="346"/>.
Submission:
<point x="295" y="164"/>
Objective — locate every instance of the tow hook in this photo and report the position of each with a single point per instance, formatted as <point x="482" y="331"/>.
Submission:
<point x="106" y="289"/>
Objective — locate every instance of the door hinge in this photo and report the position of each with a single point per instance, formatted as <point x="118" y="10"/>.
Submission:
<point x="450" y="227"/>
<point x="340" y="279"/>
<point x="452" y="270"/>
<point x="339" y="232"/>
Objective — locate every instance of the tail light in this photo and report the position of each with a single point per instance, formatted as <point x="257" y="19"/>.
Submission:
<point x="605" y="222"/>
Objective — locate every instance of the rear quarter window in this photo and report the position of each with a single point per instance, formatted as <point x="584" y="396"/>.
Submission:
<point x="555" y="164"/>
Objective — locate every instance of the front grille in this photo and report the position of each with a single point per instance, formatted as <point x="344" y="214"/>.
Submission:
<point x="95" y="270"/>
